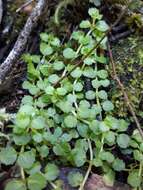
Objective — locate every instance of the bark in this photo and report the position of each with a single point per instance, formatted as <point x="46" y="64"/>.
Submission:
<point x="22" y="40"/>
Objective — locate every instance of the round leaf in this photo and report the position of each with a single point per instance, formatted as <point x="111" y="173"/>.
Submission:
<point x="8" y="155"/>
<point x="16" y="185"/>
<point x="118" y="165"/>
<point x="36" y="181"/>
<point x="70" y="121"/>
<point x="123" y="140"/>
<point x="26" y="159"/>
<point x="38" y="123"/>
<point x="69" y="53"/>
<point x="51" y="172"/>
<point x="107" y="105"/>
<point x="46" y="49"/>
<point x="75" y="179"/>
<point x="134" y="179"/>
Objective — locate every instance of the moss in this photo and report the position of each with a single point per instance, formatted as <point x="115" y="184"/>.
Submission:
<point x="128" y="55"/>
<point x="20" y="17"/>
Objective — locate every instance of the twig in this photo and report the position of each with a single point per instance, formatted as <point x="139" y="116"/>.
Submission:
<point x="24" y="5"/>
<point x="126" y="98"/>
<point x="1" y="11"/>
<point x="89" y="167"/>
<point x="22" y="40"/>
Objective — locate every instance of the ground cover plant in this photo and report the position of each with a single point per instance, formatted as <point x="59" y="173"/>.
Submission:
<point x="67" y="118"/>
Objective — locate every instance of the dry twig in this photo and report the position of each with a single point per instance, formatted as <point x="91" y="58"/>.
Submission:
<point x="1" y="11"/>
<point x="24" y="6"/>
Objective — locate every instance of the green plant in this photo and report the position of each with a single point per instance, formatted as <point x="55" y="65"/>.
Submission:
<point x="60" y="121"/>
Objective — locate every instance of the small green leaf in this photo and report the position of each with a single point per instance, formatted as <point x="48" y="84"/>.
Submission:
<point x="96" y="83"/>
<point x="8" y="156"/>
<point x="44" y="151"/>
<point x="58" y="65"/>
<point x="138" y="155"/>
<point x="76" y="35"/>
<point x="69" y="53"/>
<point x="27" y="100"/>
<point x="37" y="137"/>
<point x="102" y="26"/>
<point x="123" y="140"/>
<point x="55" y="42"/>
<point x="75" y="179"/>
<point x="22" y="139"/>
<point x="94" y="126"/>
<point x="89" y="72"/>
<point x="123" y="125"/>
<point x="70" y="121"/>
<point x="82" y="130"/>
<point x="102" y="94"/>
<point x="26" y="159"/>
<point x="134" y="179"/>
<point x="76" y="73"/>
<point x="38" y="123"/>
<point x="36" y="58"/>
<point x="89" y="61"/>
<point x="110" y="137"/>
<point x="27" y="109"/>
<point x="51" y="172"/>
<point x="103" y="74"/>
<point x="49" y="90"/>
<point x="90" y="95"/>
<point x="103" y="127"/>
<point x="36" y="167"/>
<point x="118" y="165"/>
<point x="66" y="107"/>
<point x="94" y="13"/>
<point x="51" y="112"/>
<point x="61" y="91"/>
<point x="44" y="37"/>
<point x="97" y="162"/>
<point x="78" y="87"/>
<point x="46" y="49"/>
<point x="53" y="78"/>
<point x="107" y="156"/>
<point x="22" y="120"/>
<point x="83" y="112"/>
<point x="16" y="185"/>
<point x="85" y="24"/>
<point x="36" y="181"/>
<point x="107" y="105"/>
<point x="105" y="83"/>
<point x="109" y="178"/>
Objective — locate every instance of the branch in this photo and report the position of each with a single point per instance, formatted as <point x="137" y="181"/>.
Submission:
<point x="1" y="11"/>
<point x="121" y="86"/>
<point x="22" y="40"/>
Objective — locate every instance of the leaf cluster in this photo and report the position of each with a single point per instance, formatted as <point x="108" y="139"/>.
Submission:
<point x="53" y="124"/>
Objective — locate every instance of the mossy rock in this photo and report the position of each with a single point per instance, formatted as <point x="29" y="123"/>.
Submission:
<point x="128" y="56"/>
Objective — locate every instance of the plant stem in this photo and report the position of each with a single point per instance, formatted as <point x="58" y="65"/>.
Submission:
<point x="22" y="173"/>
<point x="53" y="185"/>
<point x="21" y="169"/>
<point x="89" y="167"/>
